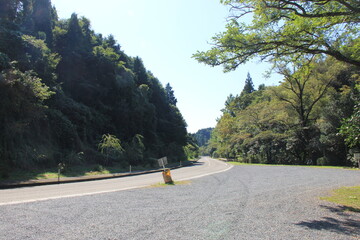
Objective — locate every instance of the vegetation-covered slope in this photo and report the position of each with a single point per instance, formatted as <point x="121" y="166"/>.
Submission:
<point x="71" y="95"/>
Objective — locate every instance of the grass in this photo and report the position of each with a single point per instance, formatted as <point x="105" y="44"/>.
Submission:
<point x="71" y="171"/>
<point x="169" y="184"/>
<point x="349" y="197"/>
<point x="74" y="171"/>
<point x="312" y="166"/>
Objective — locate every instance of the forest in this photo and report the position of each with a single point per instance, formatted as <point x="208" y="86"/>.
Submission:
<point x="313" y="116"/>
<point x="70" y="95"/>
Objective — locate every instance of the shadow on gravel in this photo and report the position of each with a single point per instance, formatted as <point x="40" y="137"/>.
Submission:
<point x="344" y="224"/>
<point x="341" y="210"/>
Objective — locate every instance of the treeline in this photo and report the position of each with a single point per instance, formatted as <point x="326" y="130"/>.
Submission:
<point x="202" y="137"/>
<point x="304" y="120"/>
<point x="71" y="95"/>
<point x="313" y="116"/>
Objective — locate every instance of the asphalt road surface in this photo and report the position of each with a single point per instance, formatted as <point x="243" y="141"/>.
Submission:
<point x="203" y="167"/>
<point x="245" y="202"/>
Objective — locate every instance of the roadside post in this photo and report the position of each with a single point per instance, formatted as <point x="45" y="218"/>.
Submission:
<point x="166" y="171"/>
<point x="357" y="158"/>
<point x="61" y="166"/>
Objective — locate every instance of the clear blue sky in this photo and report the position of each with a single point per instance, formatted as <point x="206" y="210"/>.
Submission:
<point x="165" y="34"/>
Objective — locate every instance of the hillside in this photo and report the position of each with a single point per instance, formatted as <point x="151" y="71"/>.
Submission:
<point x="73" y="96"/>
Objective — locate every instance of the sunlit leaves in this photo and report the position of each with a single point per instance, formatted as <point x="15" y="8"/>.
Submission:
<point x="27" y="80"/>
<point x="284" y="29"/>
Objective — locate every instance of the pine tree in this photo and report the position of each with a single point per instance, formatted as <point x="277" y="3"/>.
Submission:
<point x="170" y="95"/>
<point x="42" y="18"/>
<point x="249" y="86"/>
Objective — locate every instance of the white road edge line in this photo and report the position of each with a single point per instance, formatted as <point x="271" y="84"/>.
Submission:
<point x="108" y="191"/>
<point x="207" y="174"/>
<point x="73" y="195"/>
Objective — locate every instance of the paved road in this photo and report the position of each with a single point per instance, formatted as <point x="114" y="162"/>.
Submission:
<point x="203" y="167"/>
<point x="245" y="202"/>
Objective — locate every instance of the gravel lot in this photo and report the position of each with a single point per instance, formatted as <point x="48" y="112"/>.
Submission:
<point x="246" y="202"/>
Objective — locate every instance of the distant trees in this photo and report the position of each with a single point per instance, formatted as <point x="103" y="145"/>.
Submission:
<point x="202" y="138"/>
<point x="314" y="46"/>
<point x="296" y="122"/>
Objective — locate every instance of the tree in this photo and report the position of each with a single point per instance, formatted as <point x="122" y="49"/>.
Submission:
<point x="141" y="76"/>
<point x="202" y="136"/>
<point x="303" y="89"/>
<point x="9" y="9"/>
<point x="287" y="29"/>
<point x="110" y="145"/>
<point x="135" y="150"/>
<point x="42" y="18"/>
<point x="350" y="127"/>
<point x="191" y="149"/>
<point x="22" y="97"/>
<point x="170" y="95"/>
<point x="249" y="86"/>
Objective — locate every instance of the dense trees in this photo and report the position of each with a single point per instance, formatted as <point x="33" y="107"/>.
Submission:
<point x="296" y="122"/>
<point x="315" y="46"/>
<point x="65" y="89"/>
<point x="202" y="137"/>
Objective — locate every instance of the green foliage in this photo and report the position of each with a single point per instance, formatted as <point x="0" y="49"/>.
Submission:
<point x="294" y="123"/>
<point x="202" y="136"/>
<point x="350" y="127"/>
<point x="135" y="150"/>
<point x="285" y="30"/>
<point x="68" y="87"/>
<point x="28" y="81"/>
<point x="110" y="145"/>
<point x="191" y="149"/>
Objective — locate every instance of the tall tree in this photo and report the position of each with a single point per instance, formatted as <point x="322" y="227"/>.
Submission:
<point x="42" y="17"/>
<point x="283" y="29"/>
<point x="141" y="76"/>
<point x="249" y="85"/>
<point x="170" y="96"/>
<point x="303" y="89"/>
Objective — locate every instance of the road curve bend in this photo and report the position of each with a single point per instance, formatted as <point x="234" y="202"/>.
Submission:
<point x="204" y="167"/>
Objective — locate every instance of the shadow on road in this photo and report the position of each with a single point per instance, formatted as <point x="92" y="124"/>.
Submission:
<point x="193" y="164"/>
<point x="344" y="223"/>
<point x="198" y="163"/>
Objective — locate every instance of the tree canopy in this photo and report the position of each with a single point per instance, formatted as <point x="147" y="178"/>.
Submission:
<point x="296" y="122"/>
<point x="283" y="30"/>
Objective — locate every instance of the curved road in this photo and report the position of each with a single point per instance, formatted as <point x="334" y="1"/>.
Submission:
<point x="203" y="167"/>
<point x="245" y="202"/>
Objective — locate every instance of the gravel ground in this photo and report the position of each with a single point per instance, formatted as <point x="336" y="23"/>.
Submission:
<point x="246" y="202"/>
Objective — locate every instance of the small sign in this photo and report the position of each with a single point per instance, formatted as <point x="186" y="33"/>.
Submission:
<point x="162" y="162"/>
